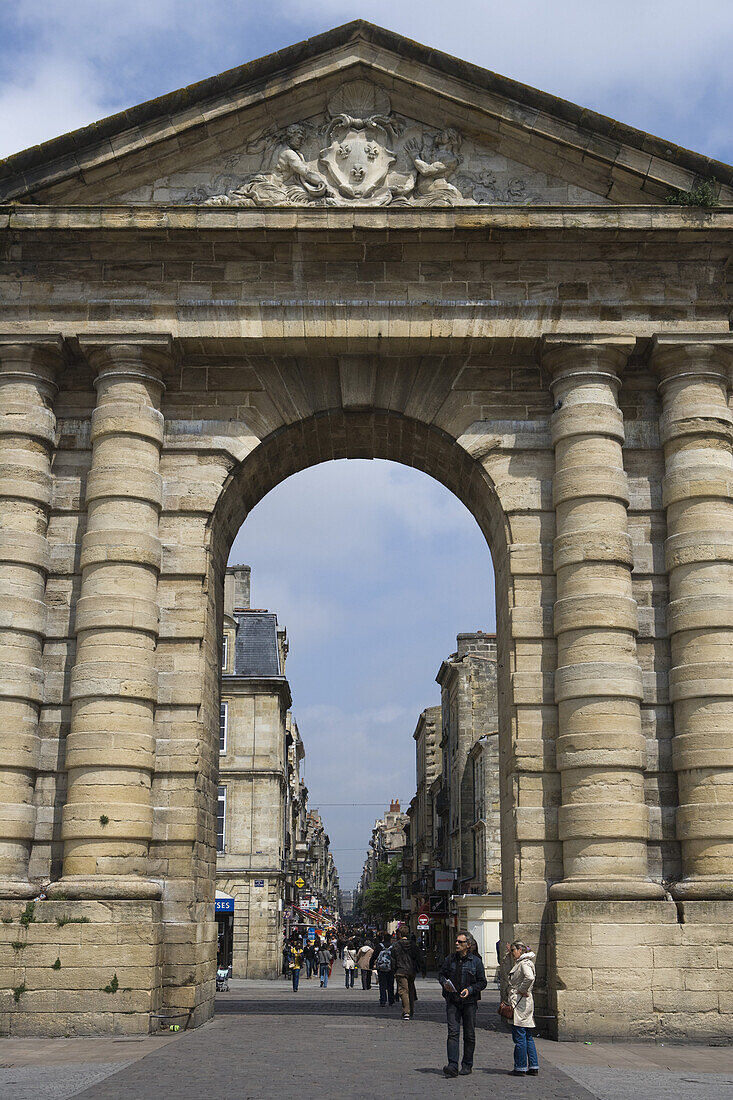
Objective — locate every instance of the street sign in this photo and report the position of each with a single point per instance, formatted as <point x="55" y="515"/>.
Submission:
<point x="259" y="882"/>
<point x="224" y="905"/>
<point x="423" y="921"/>
<point x="438" y="905"/>
<point x="300" y="883"/>
<point x="444" y="880"/>
<point x="311" y="934"/>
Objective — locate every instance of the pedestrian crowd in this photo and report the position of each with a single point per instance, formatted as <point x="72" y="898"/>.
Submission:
<point x="397" y="961"/>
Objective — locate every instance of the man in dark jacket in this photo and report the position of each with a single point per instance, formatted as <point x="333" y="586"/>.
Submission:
<point x="462" y="978"/>
<point x="407" y="959"/>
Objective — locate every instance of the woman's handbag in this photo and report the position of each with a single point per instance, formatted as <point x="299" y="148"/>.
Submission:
<point x="506" y="1011"/>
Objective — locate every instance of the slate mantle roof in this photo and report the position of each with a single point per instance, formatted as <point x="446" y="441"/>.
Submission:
<point x="256" y="651"/>
<point x="64" y="157"/>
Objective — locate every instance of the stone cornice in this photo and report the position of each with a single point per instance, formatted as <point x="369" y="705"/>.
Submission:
<point x="604" y="218"/>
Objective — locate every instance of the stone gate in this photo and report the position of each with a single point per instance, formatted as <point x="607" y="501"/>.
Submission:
<point x="359" y="247"/>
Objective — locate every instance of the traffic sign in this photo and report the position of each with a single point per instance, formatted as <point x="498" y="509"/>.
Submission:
<point x="299" y="883"/>
<point x="423" y="921"/>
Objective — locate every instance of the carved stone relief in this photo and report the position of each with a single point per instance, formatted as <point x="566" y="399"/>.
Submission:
<point x="365" y="160"/>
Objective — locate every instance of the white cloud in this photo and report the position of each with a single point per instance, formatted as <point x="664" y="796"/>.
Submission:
<point x="655" y="64"/>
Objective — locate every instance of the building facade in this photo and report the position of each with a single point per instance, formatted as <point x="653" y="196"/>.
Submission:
<point x="455" y="819"/>
<point x="259" y="760"/>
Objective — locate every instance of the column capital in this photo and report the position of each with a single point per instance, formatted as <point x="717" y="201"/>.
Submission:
<point x="31" y="358"/>
<point x="594" y="354"/>
<point x="696" y="354"/>
<point x="142" y="356"/>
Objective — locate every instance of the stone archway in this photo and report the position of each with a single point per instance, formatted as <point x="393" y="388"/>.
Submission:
<point x="175" y="340"/>
<point x="163" y="507"/>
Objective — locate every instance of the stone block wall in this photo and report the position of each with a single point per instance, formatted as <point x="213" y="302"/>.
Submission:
<point x="654" y="970"/>
<point x="80" y="967"/>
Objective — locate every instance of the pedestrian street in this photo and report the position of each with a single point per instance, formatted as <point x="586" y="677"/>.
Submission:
<point x="267" y="1042"/>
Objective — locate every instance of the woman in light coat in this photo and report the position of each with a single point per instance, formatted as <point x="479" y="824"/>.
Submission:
<point x="349" y="962"/>
<point x="364" y="962"/>
<point x="521" y="982"/>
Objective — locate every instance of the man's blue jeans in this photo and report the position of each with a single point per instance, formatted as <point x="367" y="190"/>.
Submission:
<point x="460" y="1012"/>
<point x="296" y="978"/>
<point x="309" y="967"/>
<point x="323" y="973"/>
<point x="524" y="1049"/>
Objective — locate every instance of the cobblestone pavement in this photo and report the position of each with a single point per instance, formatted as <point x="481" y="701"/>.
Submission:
<point x="268" y="1042"/>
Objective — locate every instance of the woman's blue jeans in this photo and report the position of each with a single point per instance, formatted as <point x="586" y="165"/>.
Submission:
<point x="295" y="972"/>
<point x="323" y="974"/>
<point x="349" y="977"/>
<point x="524" y="1049"/>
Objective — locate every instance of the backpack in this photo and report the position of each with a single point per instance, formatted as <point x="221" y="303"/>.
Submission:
<point x="384" y="960"/>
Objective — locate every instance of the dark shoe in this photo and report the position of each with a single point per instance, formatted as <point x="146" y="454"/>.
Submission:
<point x="517" y="1073"/>
<point x="450" y="1071"/>
<point x="465" y="1070"/>
<point x="533" y="1072"/>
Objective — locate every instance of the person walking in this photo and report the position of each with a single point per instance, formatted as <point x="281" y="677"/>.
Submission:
<point x="309" y="955"/>
<point x="364" y="962"/>
<point x="408" y="959"/>
<point x="349" y="961"/>
<point x="521" y="983"/>
<point x="385" y="973"/>
<point x="295" y="962"/>
<point x="462" y="978"/>
<point x="324" y="964"/>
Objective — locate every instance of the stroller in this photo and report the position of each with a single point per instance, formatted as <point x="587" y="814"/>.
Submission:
<point x="222" y="979"/>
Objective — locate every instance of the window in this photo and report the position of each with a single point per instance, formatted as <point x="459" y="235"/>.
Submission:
<point x="225" y="652"/>
<point x="220" y="818"/>
<point x="223" y="723"/>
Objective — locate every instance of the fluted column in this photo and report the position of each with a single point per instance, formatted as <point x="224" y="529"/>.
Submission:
<point x="28" y="366"/>
<point x="603" y="819"/>
<point x="110" y="751"/>
<point x="697" y="435"/>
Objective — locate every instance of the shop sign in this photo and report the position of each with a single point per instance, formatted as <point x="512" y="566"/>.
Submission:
<point x="224" y="905"/>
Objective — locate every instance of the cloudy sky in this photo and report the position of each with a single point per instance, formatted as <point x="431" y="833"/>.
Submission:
<point x="373" y="568"/>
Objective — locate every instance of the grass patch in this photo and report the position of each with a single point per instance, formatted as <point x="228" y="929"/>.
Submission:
<point x="704" y="193"/>
<point x="66" y="919"/>
<point x="18" y="945"/>
<point x="57" y="964"/>
<point x="27" y="916"/>
<point x="7" y="920"/>
<point x="18" y="991"/>
<point x="113" y="986"/>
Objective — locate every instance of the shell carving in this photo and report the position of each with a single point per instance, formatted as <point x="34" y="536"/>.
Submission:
<point x="359" y="99"/>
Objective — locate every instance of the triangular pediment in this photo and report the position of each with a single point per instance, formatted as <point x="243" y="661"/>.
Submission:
<point x="358" y="116"/>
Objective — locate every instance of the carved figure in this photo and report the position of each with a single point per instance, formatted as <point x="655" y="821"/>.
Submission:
<point x="356" y="168"/>
<point x="291" y="182"/>
<point x="433" y="186"/>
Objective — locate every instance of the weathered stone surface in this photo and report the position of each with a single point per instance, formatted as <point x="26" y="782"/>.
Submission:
<point x="231" y="347"/>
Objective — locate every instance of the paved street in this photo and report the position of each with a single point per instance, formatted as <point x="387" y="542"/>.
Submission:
<point x="267" y="1042"/>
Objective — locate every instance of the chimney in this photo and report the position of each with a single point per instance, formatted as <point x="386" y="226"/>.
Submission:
<point x="236" y="589"/>
<point x="394" y="806"/>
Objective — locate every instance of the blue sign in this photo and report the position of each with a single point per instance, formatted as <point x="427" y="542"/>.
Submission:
<point x="311" y="934"/>
<point x="224" y="905"/>
<point x="259" y="882"/>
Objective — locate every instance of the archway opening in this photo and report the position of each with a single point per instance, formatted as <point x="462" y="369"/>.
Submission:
<point x="376" y="730"/>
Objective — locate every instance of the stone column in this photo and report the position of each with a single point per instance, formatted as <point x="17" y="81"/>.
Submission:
<point x="697" y="434"/>
<point x="110" y="751"/>
<point x="603" y="819"/>
<point x="27" y="436"/>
